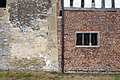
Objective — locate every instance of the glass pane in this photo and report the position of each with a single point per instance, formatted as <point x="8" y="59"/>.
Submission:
<point x="86" y="38"/>
<point x="60" y="14"/>
<point x="94" y="41"/>
<point x="79" y="39"/>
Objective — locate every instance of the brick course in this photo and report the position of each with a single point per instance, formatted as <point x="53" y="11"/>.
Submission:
<point x="106" y="57"/>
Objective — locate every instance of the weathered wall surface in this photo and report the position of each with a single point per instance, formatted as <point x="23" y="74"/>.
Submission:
<point x="106" y="57"/>
<point x="28" y="35"/>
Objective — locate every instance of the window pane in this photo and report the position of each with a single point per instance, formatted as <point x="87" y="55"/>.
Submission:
<point x="60" y="14"/>
<point x="86" y="38"/>
<point x="94" y="40"/>
<point x="79" y="39"/>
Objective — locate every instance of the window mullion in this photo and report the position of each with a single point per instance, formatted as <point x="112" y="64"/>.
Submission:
<point x="82" y="38"/>
<point x="90" y="40"/>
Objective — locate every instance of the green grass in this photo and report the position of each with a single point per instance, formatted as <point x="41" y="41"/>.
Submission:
<point x="33" y="75"/>
<point x="117" y="76"/>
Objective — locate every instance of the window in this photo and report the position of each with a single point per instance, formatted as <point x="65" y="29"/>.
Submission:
<point x="2" y="3"/>
<point x="87" y="38"/>
<point x="60" y="14"/>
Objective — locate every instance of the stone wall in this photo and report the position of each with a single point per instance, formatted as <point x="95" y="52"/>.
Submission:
<point x="106" y="57"/>
<point x="28" y="35"/>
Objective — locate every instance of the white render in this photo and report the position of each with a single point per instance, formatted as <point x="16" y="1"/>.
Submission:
<point x="77" y="3"/>
<point x="117" y="3"/>
<point x="108" y="3"/>
<point x="88" y="4"/>
<point x="66" y="3"/>
<point x="98" y="3"/>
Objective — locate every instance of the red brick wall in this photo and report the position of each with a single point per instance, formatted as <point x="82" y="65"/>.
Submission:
<point x="105" y="58"/>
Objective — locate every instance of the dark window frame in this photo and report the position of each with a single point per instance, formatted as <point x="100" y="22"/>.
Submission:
<point x="113" y="3"/>
<point x="88" y="42"/>
<point x="71" y="3"/>
<point x="82" y="3"/>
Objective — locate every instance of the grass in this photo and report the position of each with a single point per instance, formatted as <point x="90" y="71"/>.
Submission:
<point x="117" y="76"/>
<point x="34" y="75"/>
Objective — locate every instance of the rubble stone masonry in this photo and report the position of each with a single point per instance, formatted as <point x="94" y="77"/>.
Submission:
<point x="28" y="35"/>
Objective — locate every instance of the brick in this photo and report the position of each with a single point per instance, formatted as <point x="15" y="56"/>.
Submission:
<point x="105" y="58"/>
